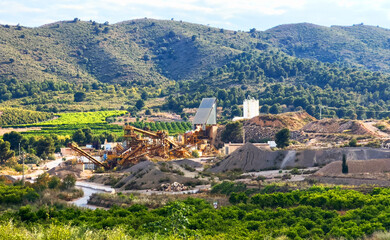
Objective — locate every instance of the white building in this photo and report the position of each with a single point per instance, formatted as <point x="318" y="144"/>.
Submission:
<point x="251" y="108"/>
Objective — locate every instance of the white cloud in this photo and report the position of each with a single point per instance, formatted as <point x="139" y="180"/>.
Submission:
<point x="12" y="6"/>
<point x="231" y="14"/>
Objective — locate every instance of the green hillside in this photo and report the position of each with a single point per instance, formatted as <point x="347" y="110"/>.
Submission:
<point x="126" y="52"/>
<point x="288" y="67"/>
<point x="13" y="116"/>
<point x="359" y="45"/>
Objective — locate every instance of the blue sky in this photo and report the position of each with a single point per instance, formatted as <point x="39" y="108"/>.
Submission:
<point x="228" y="14"/>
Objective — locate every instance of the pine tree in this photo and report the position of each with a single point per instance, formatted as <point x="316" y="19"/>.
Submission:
<point x="344" y="168"/>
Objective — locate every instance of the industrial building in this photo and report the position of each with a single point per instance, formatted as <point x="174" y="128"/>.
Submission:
<point x="250" y="109"/>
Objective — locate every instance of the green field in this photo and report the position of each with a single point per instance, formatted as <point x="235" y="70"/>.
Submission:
<point x="82" y="118"/>
<point x="67" y="123"/>
<point x="172" y="127"/>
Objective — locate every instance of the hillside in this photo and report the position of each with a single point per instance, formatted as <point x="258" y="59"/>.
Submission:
<point x="358" y="45"/>
<point x="137" y="50"/>
<point x="116" y="65"/>
<point x="14" y="116"/>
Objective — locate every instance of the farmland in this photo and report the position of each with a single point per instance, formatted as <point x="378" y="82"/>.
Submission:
<point x="67" y="123"/>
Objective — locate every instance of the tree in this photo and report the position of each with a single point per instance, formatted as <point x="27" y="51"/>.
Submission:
<point x="68" y="182"/>
<point x="88" y="135"/>
<point x="5" y="152"/>
<point x="264" y="109"/>
<point x="54" y="182"/>
<point x="96" y="142"/>
<point x="236" y="111"/>
<point x="79" y="136"/>
<point x="79" y="96"/>
<point x="45" y="147"/>
<point x="14" y="138"/>
<point x="232" y="132"/>
<point x="353" y="142"/>
<point x="344" y="166"/>
<point x="282" y="138"/>
<point x="144" y="95"/>
<point x="274" y="109"/>
<point x="148" y="112"/>
<point x="140" y="104"/>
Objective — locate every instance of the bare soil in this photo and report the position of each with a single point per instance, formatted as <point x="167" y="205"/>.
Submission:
<point x="354" y="127"/>
<point x="151" y="175"/>
<point x="356" y="167"/>
<point x="63" y="170"/>
<point x="291" y="120"/>
<point x="7" y="130"/>
<point x="368" y="172"/>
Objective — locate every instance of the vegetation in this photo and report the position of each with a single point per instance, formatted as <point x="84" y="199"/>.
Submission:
<point x="82" y="118"/>
<point x="326" y="43"/>
<point x="282" y="138"/>
<point x="14" y="116"/>
<point x="16" y="195"/>
<point x="315" y="213"/>
<point x="233" y="132"/>
<point x="75" y="55"/>
<point x="344" y="166"/>
<point x="171" y="127"/>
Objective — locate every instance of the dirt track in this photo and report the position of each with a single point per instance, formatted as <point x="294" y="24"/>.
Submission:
<point x="7" y="130"/>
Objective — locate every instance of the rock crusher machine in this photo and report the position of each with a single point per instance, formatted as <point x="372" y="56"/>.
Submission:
<point x="139" y="143"/>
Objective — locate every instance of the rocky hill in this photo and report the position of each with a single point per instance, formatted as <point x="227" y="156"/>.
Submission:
<point x="137" y="50"/>
<point x="358" y="45"/>
<point x="186" y="62"/>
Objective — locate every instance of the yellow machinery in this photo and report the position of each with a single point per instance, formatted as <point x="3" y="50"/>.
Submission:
<point x="152" y="144"/>
<point x="81" y="152"/>
<point x="138" y="143"/>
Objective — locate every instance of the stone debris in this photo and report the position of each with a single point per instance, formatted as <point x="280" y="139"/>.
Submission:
<point x="173" y="187"/>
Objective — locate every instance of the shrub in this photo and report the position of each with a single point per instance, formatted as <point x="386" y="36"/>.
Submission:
<point x="195" y="153"/>
<point x="68" y="182"/>
<point x="54" y="182"/>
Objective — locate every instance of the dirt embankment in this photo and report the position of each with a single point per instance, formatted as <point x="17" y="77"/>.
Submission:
<point x="368" y="172"/>
<point x="65" y="169"/>
<point x="354" y="127"/>
<point x="266" y="126"/>
<point x="356" y="167"/>
<point x="291" y="120"/>
<point x="250" y="158"/>
<point x="151" y="175"/>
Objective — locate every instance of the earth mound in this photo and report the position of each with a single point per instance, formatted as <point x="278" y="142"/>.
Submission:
<point x="292" y="120"/>
<point x="151" y="175"/>
<point x="266" y="126"/>
<point x="356" y="167"/>
<point x="337" y="126"/>
<point x="187" y="162"/>
<point x="62" y="170"/>
<point x="249" y="158"/>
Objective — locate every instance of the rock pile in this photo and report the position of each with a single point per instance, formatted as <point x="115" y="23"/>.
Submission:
<point x="173" y="187"/>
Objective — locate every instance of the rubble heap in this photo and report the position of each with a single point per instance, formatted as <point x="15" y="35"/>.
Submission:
<point x="173" y="187"/>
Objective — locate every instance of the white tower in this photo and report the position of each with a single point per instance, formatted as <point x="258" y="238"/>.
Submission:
<point x="251" y="108"/>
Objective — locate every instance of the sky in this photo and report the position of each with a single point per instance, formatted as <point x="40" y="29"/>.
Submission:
<point x="227" y="14"/>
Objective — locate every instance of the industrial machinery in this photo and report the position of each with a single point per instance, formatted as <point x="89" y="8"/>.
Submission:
<point x="81" y="152"/>
<point x="139" y="143"/>
<point x="152" y="144"/>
